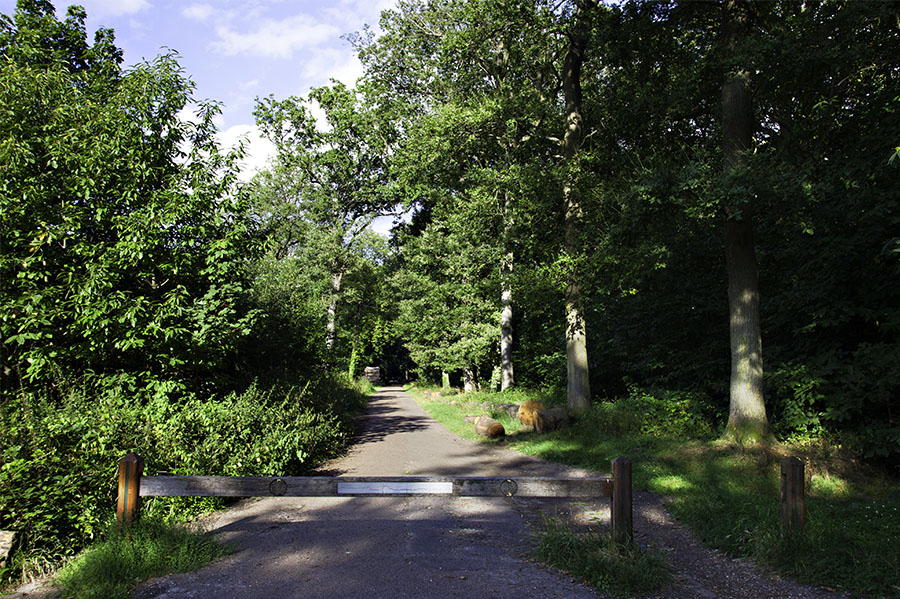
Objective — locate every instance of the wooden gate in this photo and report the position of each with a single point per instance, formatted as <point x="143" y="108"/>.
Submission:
<point x="133" y="485"/>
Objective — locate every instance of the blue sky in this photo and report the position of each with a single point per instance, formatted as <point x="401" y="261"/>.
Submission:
<point x="236" y="50"/>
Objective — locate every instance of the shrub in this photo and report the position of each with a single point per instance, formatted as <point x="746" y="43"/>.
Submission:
<point x="655" y="414"/>
<point x="59" y="457"/>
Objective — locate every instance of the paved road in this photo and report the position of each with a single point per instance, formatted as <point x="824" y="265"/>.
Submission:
<point x="434" y="547"/>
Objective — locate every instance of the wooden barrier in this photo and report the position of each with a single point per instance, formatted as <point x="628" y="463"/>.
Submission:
<point x="132" y="486"/>
<point x="793" y="495"/>
<point x="128" y="506"/>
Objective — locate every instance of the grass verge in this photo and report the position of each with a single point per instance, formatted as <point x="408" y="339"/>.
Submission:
<point x="594" y="557"/>
<point x="110" y="567"/>
<point x="729" y="495"/>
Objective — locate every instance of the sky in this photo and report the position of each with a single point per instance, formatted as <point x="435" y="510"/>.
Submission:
<point x="238" y="50"/>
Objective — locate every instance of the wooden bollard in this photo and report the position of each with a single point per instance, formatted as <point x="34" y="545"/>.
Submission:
<point x="128" y="506"/>
<point x="792" y="495"/>
<point x="622" y="529"/>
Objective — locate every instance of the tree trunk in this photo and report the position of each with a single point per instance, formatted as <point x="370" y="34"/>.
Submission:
<point x="747" y="412"/>
<point x="507" y="379"/>
<point x="330" y="324"/>
<point x="577" y="380"/>
<point x="469" y="385"/>
<point x="354" y="352"/>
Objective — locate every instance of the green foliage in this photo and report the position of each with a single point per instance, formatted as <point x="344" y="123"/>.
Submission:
<point x="124" y="236"/>
<point x="594" y="557"/>
<point x="144" y="550"/>
<point x="727" y="494"/>
<point x="475" y="85"/>
<point x="60" y="457"/>
<point x="448" y="298"/>
<point x="671" y="414"/>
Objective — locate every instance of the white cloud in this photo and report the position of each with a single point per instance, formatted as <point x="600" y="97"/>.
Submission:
<point x="275" y="39"/>
<point x="332" y="63"/>
<point x="259" y="151"/>
<point x="114" y="8"/>
<point x="198" y="12"/>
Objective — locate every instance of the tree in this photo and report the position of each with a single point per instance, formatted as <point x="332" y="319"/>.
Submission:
<point x="328" y="182"/>
<point x="747" y="411"/>
<point x="123" y="233"/>
<point x="578" y="380"/>
<point x="485" y="69"/>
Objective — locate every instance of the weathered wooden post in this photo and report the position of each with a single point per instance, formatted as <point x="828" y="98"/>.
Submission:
<point x="622" y="530"/>
<point x="792" y="495"/>
<point x="128" y="506"/>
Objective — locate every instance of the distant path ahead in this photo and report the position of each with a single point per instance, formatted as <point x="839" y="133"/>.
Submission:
<point x="385" y="547"/>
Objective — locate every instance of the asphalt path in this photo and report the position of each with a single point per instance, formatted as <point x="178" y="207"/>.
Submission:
<point x="390" y="547"/>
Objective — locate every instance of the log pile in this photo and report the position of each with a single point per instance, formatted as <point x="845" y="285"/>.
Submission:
<point x="531" y="414"/>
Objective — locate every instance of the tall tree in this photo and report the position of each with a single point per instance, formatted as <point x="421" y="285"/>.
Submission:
<point x="489" y="64"/>
<point x="747" y="411"/>
<point x="124" y="236"/>
<point x="328" y="179"/>
<point x="578" y="383"/>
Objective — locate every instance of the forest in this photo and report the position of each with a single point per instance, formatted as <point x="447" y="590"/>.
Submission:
<point x="691" y="202"/>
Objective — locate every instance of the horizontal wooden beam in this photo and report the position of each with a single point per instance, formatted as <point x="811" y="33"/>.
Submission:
<point x="367" y="486"/>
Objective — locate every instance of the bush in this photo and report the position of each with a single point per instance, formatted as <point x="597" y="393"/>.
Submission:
<point x="60" y="457"/>
<point x="655" y="414"/>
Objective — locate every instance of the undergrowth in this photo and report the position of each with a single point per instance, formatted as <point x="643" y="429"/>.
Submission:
<point x="59" y="456"/>
<point x="729" y="495"/>
<point x="111" y="566"/>
<point x="593" y="556"/>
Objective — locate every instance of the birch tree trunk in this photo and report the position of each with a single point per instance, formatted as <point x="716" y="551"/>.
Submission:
<point x="577" y="380"/>
<point x="507" y="378"/>
<point x="331" y="313"/>
<point x="747" y="412"/>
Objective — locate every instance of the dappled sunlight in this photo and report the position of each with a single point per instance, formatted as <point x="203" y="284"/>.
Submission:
<point x="670" y="484"/>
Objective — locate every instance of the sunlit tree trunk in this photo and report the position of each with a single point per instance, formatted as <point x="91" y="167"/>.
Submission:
<point x="507" y="378"/>
<point x="577" y="380"/>
<point x="747" y="412"/>
<point x="469" y="382"/>
<point x="331" y="311"/>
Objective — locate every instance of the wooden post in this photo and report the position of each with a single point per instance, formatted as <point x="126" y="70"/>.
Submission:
<point x="622" y="530"/>
<point x="129" y="503"/>
<point x="792" y="495"/>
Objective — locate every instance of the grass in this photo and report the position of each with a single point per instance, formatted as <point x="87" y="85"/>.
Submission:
<point x="110" y="567"/>
<point x="596" y="558"/>
<point x="729" y="495"/>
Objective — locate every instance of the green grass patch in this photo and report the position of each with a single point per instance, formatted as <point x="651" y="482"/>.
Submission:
<point x="728" y="494"/>
<point x="594" y="557"/>
<point x="110" y="567"/>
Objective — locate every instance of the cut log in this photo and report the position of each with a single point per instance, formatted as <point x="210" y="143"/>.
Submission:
<point x="533" y="415"/>
<point x="7" y="539"/>
<point x="487" y="426"/>
<point x="553" y="418"/>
